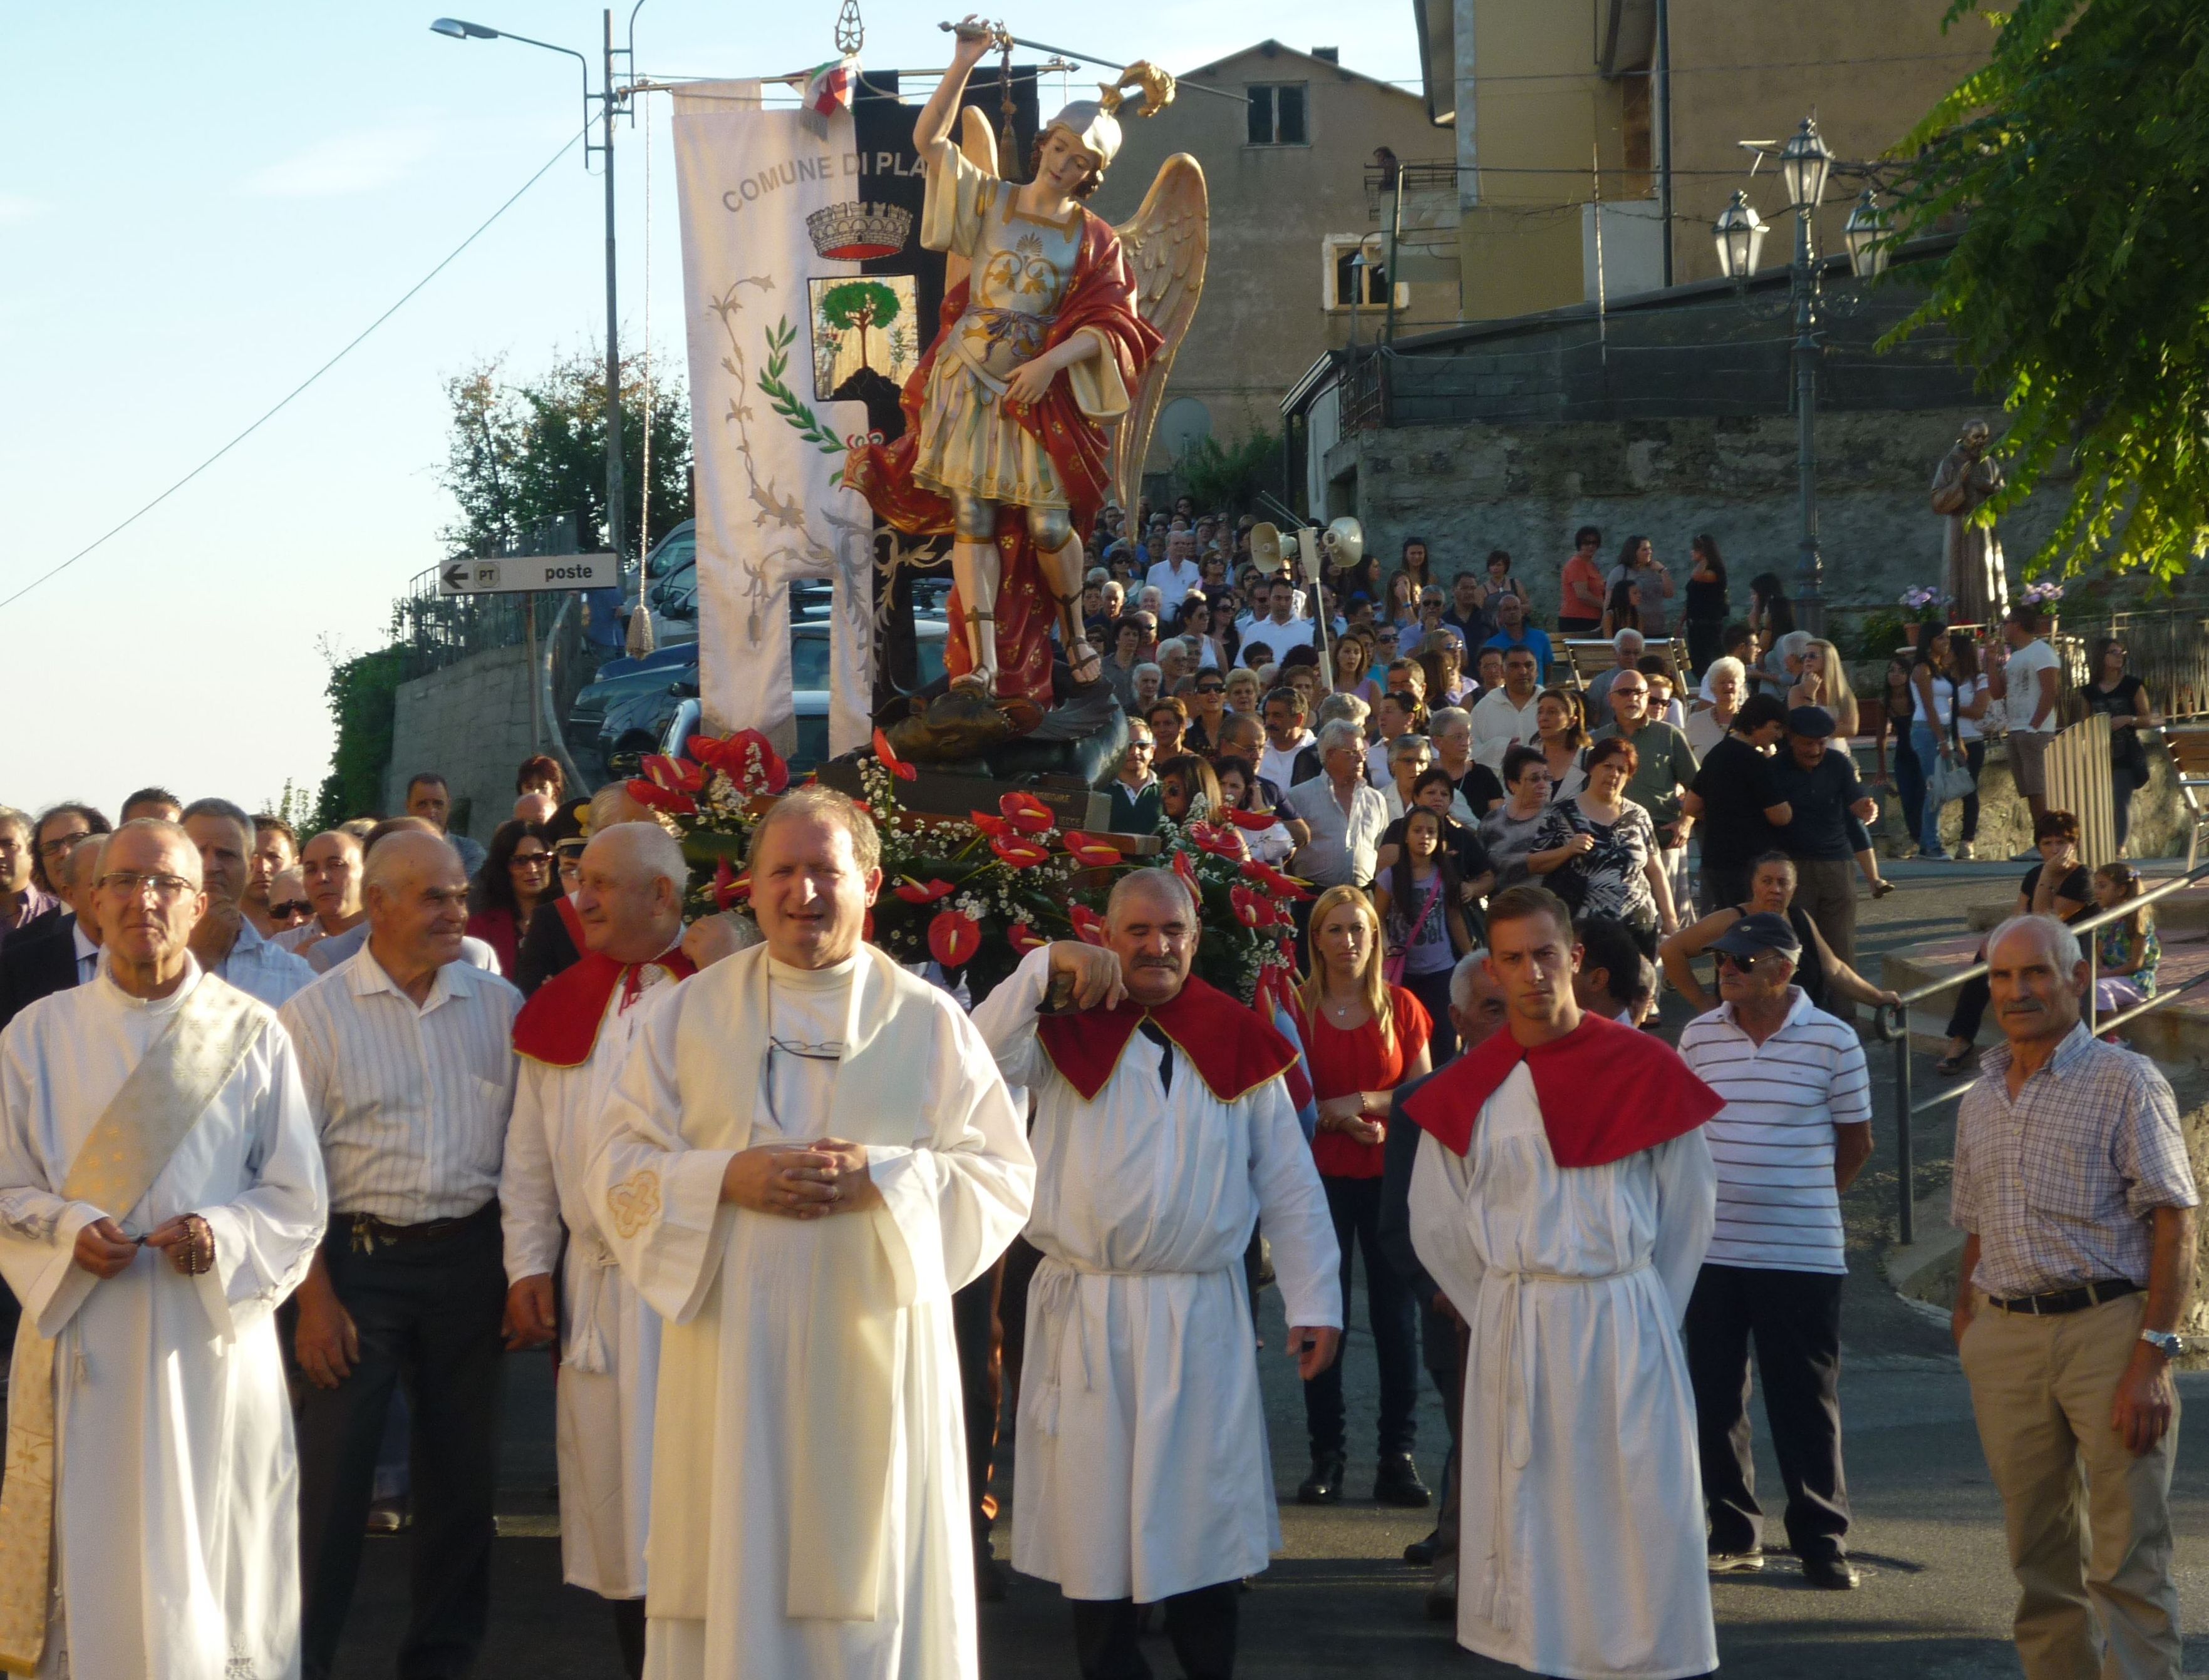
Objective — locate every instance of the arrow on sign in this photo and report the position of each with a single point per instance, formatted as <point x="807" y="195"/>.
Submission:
<point x="456" y="576"/>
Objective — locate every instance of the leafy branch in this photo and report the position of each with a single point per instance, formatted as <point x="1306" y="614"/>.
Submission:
<point x="784" y="400"/>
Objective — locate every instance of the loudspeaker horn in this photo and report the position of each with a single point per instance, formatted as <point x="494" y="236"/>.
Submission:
<point x="1347" y="538"/>
<point x="1265" y="547"/>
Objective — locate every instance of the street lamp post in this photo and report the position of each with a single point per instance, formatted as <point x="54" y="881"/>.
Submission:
<point x="609" y="102"/>
<point x="1805" y="164"/>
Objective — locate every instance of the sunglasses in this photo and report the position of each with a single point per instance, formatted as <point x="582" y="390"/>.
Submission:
<point x="1211" y="688"/>
<point x="1726" y="959"/>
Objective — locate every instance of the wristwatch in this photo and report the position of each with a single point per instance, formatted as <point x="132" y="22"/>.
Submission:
<point x="2168" y="1343"/>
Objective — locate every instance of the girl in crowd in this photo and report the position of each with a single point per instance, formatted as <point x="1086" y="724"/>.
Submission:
<point x="516" y="877"/>
<point x="1239" y="791"/>
<point x="1621" y="607"/>
<point x="1600" y="848"/>
<point x="1562" y="737"/>
<point x="1401" y="608"/>
<point x="1933" y="696"/>
<point x="1353" y="667"/>
<point x="2126" y="951"/>
<point x="1509" y="831"/>
<point x="1443" y="670"/>
<point x="1706" y="602"/>
<point x="1499" y="583"/>
<point x="1195" y="621"/>
<point x="1420" y="902"/>
<point x="1638" y="565"/>
<point x="1434" y="790"/>
<point x="1188" y="789"/>
<point x="1771" y="614"/>
<point x="1363" y="1037"/>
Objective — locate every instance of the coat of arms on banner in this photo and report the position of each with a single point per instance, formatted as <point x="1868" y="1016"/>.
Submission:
<point x="865" y="339"/>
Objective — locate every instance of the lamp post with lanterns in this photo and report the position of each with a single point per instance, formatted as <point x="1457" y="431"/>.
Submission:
<point x="1805" y="165"/>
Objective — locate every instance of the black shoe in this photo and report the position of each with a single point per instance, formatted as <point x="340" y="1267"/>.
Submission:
<point x="1835" y="1575"/>
<point x="1324" y="1485"/>
<point x="1420" y="1554"/>
<point x="1396" y="1483"/>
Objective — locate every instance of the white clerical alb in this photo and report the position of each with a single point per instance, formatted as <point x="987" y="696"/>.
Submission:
<point x="175" y="1517"/>
<point x="809" y="1477"/>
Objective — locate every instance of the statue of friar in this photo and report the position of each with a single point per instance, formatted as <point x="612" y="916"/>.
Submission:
<point x="1972" y="572"/>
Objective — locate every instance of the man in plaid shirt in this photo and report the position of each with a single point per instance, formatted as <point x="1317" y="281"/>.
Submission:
<point x="2071" y="1177"/>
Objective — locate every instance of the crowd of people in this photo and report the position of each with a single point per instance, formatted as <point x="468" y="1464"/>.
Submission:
<point x="299" y="1141"/>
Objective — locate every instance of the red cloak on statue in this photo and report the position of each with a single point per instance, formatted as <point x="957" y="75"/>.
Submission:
<point x="1102" y="295"/>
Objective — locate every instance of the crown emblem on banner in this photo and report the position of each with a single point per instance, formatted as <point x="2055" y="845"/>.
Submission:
<point x="855" y="232"/>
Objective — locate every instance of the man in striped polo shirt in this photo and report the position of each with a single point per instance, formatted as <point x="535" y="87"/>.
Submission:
<point x="1795" y="1131"/>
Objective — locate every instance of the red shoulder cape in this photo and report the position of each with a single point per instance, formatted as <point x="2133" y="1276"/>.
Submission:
<point x="1235" y="1051"/>
<point x="1102" y="297"/>
<point x="559" y="1025"/>
<point x="1606" y="1091"/>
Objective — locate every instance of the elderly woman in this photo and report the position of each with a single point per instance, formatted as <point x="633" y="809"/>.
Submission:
<point x="1146" y="681"/>
<point x="1244" y="693"/>
<point x="1410" y="756"/>
<point x="1820" y="973"/>
<point x="1510" y="831"/>
<point x="1597" y="850"/>
<point x="1176" y="664"/>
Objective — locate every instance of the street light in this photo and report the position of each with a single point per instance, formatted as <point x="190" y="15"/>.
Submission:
<point x="1739" y="233"/>
<point x="1866" y="236"/>
<point x="459" y="29"/>
<point x="1804" y="163"/>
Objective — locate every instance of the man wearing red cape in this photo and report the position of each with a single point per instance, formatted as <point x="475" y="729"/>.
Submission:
<point x="1007" y="444"/>
<point x="1562" y="1199"/>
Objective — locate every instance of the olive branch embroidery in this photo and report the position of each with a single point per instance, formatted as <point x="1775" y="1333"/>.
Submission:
<point x="786" y="402"/>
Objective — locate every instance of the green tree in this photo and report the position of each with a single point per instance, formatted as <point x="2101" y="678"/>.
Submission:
<point x="858" y="305"/>
<point x="522" y="452"/>
<point x="364" y="696"/>
<point x="2077" y="162"/>
<point x="1230" y="476"/>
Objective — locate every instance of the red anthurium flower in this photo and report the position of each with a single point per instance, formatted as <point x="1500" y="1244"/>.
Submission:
<point x="729" y="887"/>
<point x="1250" y="909"/>
<point x="890" y="761"/>
<point x="1251" y="819"/>
<point x="746" y="758"/>
<point x="996" y="827"/>
<point x="1024" y="939"/>
<point x="1219" y="842"/>
<point x="915" y="893"/>
<point x="679" y="774"/>
<point x="953" y="938"/>
<point x="1185" y="866"/>
<point x="1027" y="814"/>
<point x="1281" y="885"/>
<point x="653" y="797"/>
<point x="1020" y="853"/>
<point x="1092" y="850"/>
<point x="1088" y="926"/>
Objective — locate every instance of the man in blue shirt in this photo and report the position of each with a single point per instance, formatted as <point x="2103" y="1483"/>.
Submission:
<point x="1511" y="614"/>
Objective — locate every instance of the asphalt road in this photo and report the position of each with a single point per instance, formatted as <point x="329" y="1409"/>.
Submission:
<point x="1937" y="1596"/>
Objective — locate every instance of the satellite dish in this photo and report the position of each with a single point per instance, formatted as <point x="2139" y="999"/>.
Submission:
<point x="1265" y="547"/>
<point x="1347" y="538"/>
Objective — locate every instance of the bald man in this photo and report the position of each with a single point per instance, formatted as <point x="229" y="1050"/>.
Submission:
<point x="326" y="954"/>
<point x="572" y="1036"/>
<point x="405" y="1049"/>
<point x="330" y="865"/>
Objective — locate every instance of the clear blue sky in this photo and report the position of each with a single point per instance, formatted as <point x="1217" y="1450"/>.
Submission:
<point x="205" y="201"/>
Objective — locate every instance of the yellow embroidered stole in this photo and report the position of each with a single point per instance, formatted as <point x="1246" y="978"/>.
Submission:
<point x="161" y="1101"/>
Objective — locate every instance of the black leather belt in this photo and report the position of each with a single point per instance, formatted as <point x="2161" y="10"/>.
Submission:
<point x="2058" y="1301"/>
<point x="368" y="1233"/>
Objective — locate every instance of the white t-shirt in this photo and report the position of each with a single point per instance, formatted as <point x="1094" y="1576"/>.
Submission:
<point x="1772" y="1142"/>
<point x="2022" y="675"/>
<point x="1297" y="633"/>
<point x="1968" y="727"/>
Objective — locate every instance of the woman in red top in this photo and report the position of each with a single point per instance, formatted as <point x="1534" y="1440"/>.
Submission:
<point x="1363" y="1037"/>
<point x="515" y="879"/>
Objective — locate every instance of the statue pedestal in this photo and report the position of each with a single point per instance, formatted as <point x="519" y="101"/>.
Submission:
<point x="938" y="792"/>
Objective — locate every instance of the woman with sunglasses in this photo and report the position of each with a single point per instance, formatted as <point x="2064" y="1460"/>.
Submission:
<point x="515" y="879"/>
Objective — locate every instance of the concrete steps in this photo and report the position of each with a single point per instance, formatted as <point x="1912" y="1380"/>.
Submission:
<point x="2188" y="909"/>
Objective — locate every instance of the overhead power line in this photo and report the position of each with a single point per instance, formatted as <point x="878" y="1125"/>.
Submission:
<point x="284" y="402"/>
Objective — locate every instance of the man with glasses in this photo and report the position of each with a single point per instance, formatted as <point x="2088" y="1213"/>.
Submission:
<point x="1795" y="1131"/>
<point x="58" y="829"/>
<point x="225" y="939"/>
<point x="1665" y="768"/>
<point x="23" y="903"/>
<point x="405" y="1051"/>
<point x="1135" y="791"/>
<point x="162" y="1193"/>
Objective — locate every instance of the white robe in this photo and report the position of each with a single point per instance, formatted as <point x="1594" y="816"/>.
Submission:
<point x="1583" y="1541"/>
<point x="609" y="1338"/>
<point x="177" y="1523"/>
<point x="735" y="1285"/>
<point x="1142" y="1464"/>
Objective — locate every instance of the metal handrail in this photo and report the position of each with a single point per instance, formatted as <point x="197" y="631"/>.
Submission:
<point x="1892" y="1022"/>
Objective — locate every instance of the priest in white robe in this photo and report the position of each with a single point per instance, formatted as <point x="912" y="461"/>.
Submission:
<point x="1163" y="1133"/>
<point x="572" y="1037"/>
<point x="808" y="1150"/>
<point x="160" y="1191"/>
<point x="1562" y="1199"/>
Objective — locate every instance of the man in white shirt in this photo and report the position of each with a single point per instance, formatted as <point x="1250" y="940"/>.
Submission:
<point x="1176" y="575"/>
<point x="1347" y="817"/>
<point x="326" y="954"/>
<point x="405" y="1053"/>
<point x="2032" y="678"/>
<point x="225" y="939"/>
<point x="1280" y="630"/>
<point x="1504" y="718"/>
<point x="1262" y="607"/>
<point x="1795" y="1131"/>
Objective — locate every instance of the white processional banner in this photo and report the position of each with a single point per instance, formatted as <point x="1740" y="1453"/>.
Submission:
<point x="768" y="446"/>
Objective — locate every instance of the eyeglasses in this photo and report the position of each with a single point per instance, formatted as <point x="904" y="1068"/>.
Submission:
<point x="131" y="884"/>
<point x="292" y="907"/>
<point x="531" y="860"/>
<point x="60" y="844"/>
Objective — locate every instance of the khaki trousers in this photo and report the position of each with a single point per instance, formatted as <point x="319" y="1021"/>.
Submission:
<point x="2041" y="1389"/>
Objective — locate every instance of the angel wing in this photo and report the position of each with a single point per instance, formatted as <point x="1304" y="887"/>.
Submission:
<point x="1166" y="245"/>
<point x="978" y="140"/>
